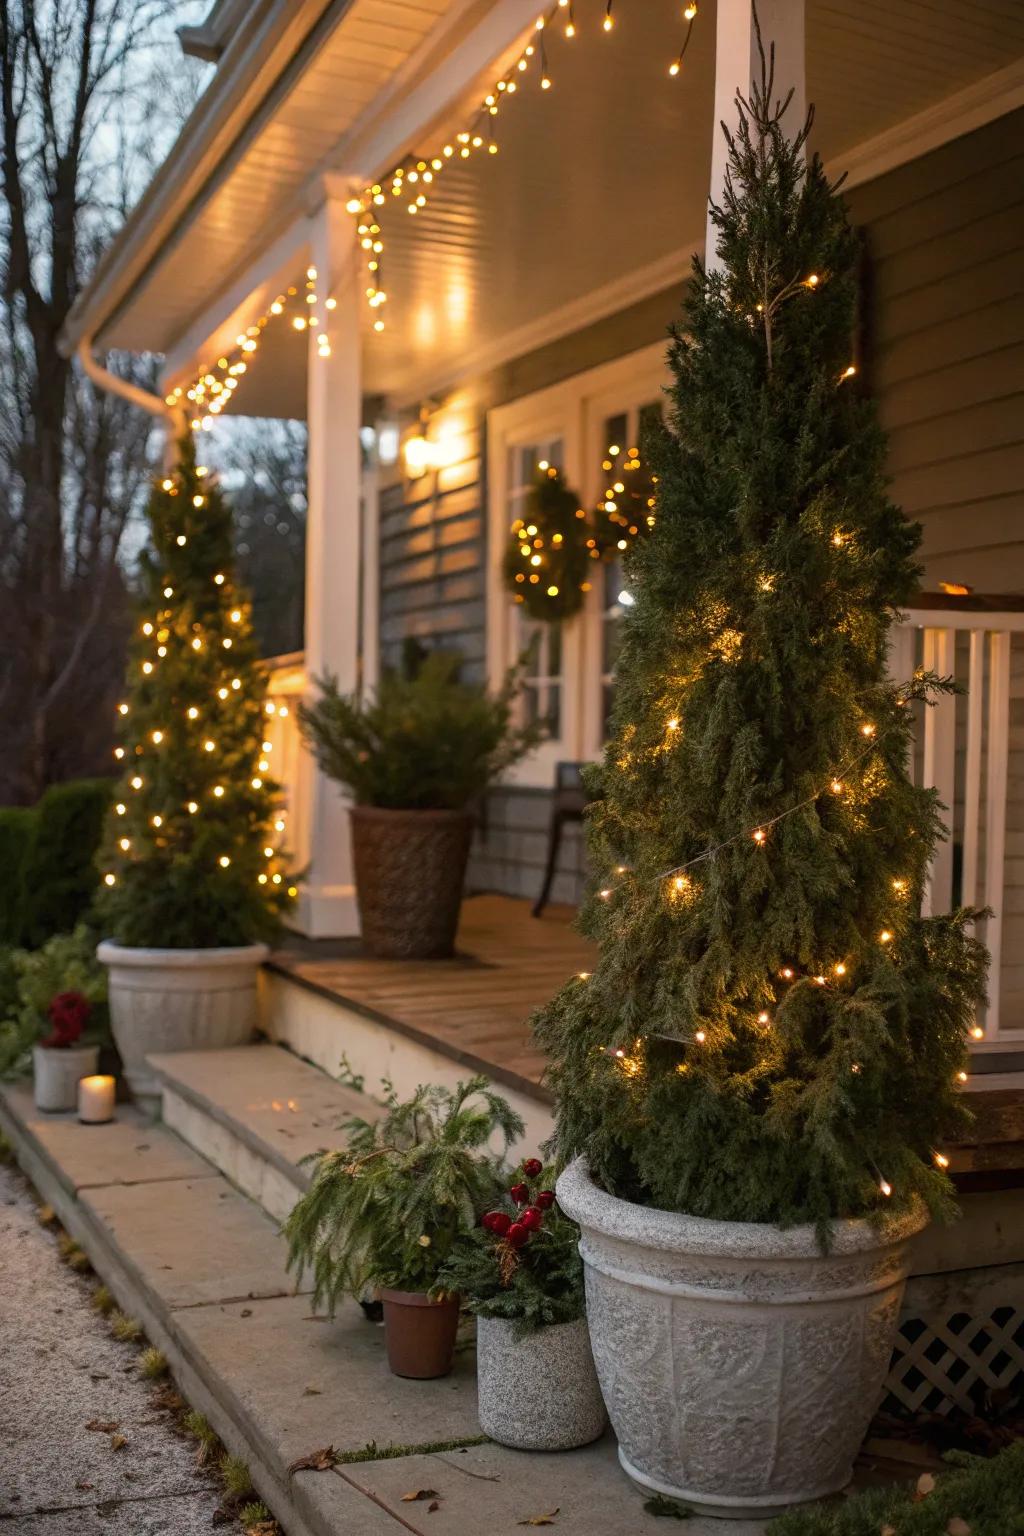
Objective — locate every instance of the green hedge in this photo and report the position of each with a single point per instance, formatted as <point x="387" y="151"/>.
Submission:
<point x="63" y="877"/>
<point x="48" y="873"/>
<point x="17" y="839"/>
<point x="985" y="1498"/>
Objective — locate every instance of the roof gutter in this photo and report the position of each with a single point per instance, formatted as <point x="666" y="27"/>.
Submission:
<point x="113" y="384"/>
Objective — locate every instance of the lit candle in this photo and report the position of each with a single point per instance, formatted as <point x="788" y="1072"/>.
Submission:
<point x="96" y="1100"/>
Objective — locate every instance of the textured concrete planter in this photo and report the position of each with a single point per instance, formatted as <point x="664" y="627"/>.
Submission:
<point x="178" y="1000"/>
<point x="56" y="1074"/>
<point x="539" y="1392"/>
<point x="410" y="868"/>
<point x="740" y="1366"/>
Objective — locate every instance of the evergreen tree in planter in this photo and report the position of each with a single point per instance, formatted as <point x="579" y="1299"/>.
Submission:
<point x="192" y="876"/>
<point x="761" y="1072"/>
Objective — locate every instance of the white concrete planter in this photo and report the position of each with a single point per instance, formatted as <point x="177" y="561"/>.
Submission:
<point x="740" y="1365"/>
<point x="178" y="1000"/>
<point x="56" y="1073"/>
<point x="539" y="1392"/>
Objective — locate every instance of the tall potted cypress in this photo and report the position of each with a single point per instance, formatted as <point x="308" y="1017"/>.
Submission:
<point x="193" y="874"/>
<point x="757" y="1080"/>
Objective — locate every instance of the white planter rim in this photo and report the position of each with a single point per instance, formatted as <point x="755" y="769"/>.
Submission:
<point x="670" y="1232"/>
<point x="111" y="953"/>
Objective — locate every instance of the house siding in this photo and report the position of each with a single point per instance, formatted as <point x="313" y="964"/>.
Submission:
<point x="944" y="355"/>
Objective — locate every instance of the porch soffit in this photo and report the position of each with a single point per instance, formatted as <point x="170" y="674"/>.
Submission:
<point x="601" y="176"/>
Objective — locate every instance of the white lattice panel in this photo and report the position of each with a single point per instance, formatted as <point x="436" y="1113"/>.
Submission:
<point x="940" y="1364"/>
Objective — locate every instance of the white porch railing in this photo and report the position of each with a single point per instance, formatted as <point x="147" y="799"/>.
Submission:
<point x="970" y="747"/>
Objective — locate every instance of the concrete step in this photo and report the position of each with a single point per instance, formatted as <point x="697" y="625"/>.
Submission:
<point x="202" y="1268"/>
<point x="254" y="1112"/>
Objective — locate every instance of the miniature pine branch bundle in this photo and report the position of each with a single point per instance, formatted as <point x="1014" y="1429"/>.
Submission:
<point x="772" y="1032"/>
<point x="185" y="859"/>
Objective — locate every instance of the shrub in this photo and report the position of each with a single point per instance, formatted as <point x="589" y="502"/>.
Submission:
<point x="426" y="742"/>
<point x="522" y="1262"/>
<point x="66" y="964"/>
<point x="976" y="1498"/>
<point x="17" y="837"/>
<point x="62" y="877"/>
<point x="388" y="1209"/>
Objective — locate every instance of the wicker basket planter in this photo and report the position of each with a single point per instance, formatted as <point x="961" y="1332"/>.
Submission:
<point x="410" y="867"/>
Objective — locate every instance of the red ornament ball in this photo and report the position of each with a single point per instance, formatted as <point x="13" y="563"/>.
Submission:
<point x="531" y="1218"/>
<point x="497" y="1222"/>
<point x="533" y="1168"/>
<point x="546" y="1199"/>
<point x="520" y="1194"/>
<point x="518" y="1234"/>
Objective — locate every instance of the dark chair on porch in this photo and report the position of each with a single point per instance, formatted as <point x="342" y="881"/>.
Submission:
<point x="568" y="804"/>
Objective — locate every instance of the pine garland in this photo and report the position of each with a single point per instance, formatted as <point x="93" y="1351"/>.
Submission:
<point x="772" y="1032"/>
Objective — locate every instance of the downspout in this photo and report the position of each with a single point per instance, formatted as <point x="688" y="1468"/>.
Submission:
<point x="113" y="385"/>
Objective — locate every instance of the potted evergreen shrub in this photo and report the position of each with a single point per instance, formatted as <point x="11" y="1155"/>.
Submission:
<point x="384" y="1214"/>
<point x="193" y="875"/>
<point x="757" y="1081"/>
<point x="521" y="1273"/>
<point x="415" y="759"/>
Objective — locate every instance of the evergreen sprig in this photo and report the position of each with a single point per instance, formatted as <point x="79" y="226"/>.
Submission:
<point x="183" y="859"/>
<point x="387" y="1210"/>
<point x="776" y="1034"/>
<point x="535" y="1286"/>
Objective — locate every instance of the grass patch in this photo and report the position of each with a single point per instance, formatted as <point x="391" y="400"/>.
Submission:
<point x="982" y="1497"/>
<point x="126" y="1330"/>
<point x="6" y="1150"/>
<point x="199" y="1427"/>
<point x="103" y="1300"/>
<point x="375" y="1452"/>
<point x="254" y="1514"/>
<point x="73" y="1254"/>
<point x="235" y="1476"/>
<point x="46" y="1215"/>
<point x="153" y="1364"/>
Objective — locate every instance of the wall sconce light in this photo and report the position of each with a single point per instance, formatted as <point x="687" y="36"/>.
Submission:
<point x="420" y="454"/>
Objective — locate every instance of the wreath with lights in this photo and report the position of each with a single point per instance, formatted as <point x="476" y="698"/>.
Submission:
<point x="547" y="561"/>
<point x="625" y="512"/>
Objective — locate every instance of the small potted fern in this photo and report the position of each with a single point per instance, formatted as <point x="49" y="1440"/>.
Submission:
<point x="521" y="1273"/>
<point x="384" y="1213"/>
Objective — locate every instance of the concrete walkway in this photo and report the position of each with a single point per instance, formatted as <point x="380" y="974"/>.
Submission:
<point x="60" y="1373"/>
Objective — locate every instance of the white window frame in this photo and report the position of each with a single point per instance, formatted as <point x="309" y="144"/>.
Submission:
<point x="575" y="412"/>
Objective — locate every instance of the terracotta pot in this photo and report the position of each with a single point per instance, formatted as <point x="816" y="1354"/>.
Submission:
<point x="420" y="1333"/>
<point x="410" y="867"/>
<point x="740" y="1365"/>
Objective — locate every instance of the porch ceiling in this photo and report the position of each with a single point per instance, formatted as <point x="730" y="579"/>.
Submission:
<point x="604" y="175"/>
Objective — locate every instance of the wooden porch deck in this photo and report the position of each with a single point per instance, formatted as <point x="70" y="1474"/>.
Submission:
<point x="476" y="1009"/>
<point x="479" y="1004"/>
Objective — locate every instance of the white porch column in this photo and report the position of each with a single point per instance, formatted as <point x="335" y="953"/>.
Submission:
<point x="334" y="413"/>
<point x="738" y="65"/>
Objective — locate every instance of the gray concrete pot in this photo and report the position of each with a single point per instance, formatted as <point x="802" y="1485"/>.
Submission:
<point x="56" y="1073"/>
<point x="740" y="1365"/>
<point x="539" y="1392"/>
<point x="178" y="1000"/>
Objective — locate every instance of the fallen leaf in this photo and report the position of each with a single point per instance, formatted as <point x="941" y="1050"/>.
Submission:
<point x="433" y="1506"/>
<point x="118" y="1442"/>
<point x="317" y="1461"/>
<point x="103" y="1426"/>
<point x="548" y="1519"/>
<point x="667" y="1509"/>
<point x="958" y="1527"/>
<point x="98" y="1376"/>
<point x="312" y="1392"/>
<point x="420" y="1496"/>
<point x="887" y="1530"/>
<point x="84" y="1486"/>
<point x="925" y="1485"/>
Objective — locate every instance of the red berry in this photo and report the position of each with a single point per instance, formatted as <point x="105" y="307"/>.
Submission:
<point x="497" y="1222"/>
<point x="546" y="1199"/>
<point x="533" y="1168"/>
<point x="518" y="1235"/>
<point x="520" y="1194"/>
<point x="531" y="1218"/>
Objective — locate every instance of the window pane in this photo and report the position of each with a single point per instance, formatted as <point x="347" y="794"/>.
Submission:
<point x="541" y="698"/>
